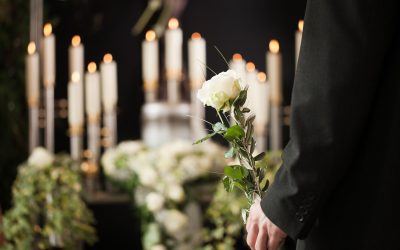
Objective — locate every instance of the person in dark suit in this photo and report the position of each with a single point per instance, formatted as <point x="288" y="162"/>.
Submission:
<point x="340" y="179"/>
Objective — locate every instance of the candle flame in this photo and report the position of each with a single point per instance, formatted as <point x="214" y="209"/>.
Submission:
<point x="301" y="25"/>
<point x="173" y="23"/>
<point x="150" y="35"/>
<point x="250" y="67"/>
<point x="47" y="29"/>
<point x="262" y="77"/>
<point x="75" y="77"/>
<point x="31" y="48"/>
<point x="274" y="46"/>
<point x="76" y="40"/>
<point x="92" y="67"/>
<point x="107" y="58"/>
<point x="237" y="57"/>
<point x="196" y="36"/>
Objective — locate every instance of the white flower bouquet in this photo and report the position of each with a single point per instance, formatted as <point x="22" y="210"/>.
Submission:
<point x="162" y="178"/>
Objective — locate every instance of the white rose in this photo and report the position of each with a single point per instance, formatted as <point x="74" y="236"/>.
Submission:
<point x="175" y="192"/>
<point x="158" y="247"/>
<point x="219" y="90"/>
<point x="130" y="147"/>
<point x="154" y="201"/>
<point x="175" y="222"/>
<point x="40" y="158"/>
<point x="148" y="176"/>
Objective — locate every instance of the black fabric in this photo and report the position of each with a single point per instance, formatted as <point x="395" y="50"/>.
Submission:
<point x="338" y="186"/>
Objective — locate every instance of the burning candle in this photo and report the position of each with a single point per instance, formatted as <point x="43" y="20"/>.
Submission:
<point x="197" y="60"/>
<point x="274" y="69"/>
<point x="239" y="66"/>
<point x="32" y="76"/>
<point x="49" y="56"/>
<point x="298" y="37"/>
<point x="76" y="56"/>
<point x="173" y="50"/>
<point x="261" y="107"/>
<point x="108" y="71"/>
<point x="251" y="81"/>
<point x="150" y="65"/>
<point x="92" y="84"/>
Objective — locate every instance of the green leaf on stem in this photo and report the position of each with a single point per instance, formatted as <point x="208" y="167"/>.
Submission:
<point x="245" y="110"/>
<point x="252" y="146"/>
<point x="230" y="153"/>
<point x="235" y="172"/>
<point x="219" y="127"/>
<point x="264" y="183"/>
<point x="259" y="157"/>
<point x="250" y="120"/>
<point x="234" y="132"/>
<point x="228" y="184"/>
<point x="205" y="138"/>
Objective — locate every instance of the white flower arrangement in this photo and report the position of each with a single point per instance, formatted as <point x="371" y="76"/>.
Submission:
<point x="160" y="176"/>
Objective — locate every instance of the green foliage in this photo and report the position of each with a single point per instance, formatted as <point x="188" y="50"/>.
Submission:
<point x="47" y="205"/>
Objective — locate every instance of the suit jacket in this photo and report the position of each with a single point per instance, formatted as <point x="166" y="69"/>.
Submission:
<point x="340" y="178"/>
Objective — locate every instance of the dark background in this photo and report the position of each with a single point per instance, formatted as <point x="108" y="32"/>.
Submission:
<point x="244" y="26"/>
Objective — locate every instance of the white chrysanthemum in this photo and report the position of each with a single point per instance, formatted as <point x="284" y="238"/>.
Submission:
<point x="158" y="247"/>
<point x="40" y="158"/>
<point x="154" y="201"/>
<point x="219" y="90"/>
<point x="130" y="147"/>
<point x="190" y="166"/>
<point x="174" y="221"/>
<point x="175" y="192"/>
<point x="147" y="176"/>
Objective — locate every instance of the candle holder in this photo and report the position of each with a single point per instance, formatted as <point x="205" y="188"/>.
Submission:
<point x="276" y="127"/>
<point x="76" y="142"/>
<point x="155" y="124"/>
<point x="93" y="134"/>
<point x="49" y="141"/>
<point x="261" y="133"/>
<point x="33" y="125"/>
<point x="150" y="90"/>
<point x="198" y="115"/>
<point x="90" y="172"/>
<point x="110" y="124"/>
<point x="173" y="86"/>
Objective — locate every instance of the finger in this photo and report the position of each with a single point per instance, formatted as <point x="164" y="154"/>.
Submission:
<point x="262" y="239"/>
<point x="248" y="223"/>
<point x="274" y="242"/>
<point x="252" y="235"/>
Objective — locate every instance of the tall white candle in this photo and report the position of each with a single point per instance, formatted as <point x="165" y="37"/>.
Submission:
<point x="150" y="64"/>
<point x="261" y="107"/>
<point x="173" y="50"/>
<point x="76" y="56"/>
<point x="251" y="81"/>
<point x="32" y="76"/>
<point x="274" y="71"/>
<point x="197" y="60"/>
<point x="75" y="104"/>
<point x="92" y="90"/>
<point x="298" y="37"/>
<point x="238" y="64"/>
<point x="49" y="56"/>
<point x="109" y="90"/>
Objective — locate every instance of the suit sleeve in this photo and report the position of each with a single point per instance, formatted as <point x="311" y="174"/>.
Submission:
<point x="341" y="60"/>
